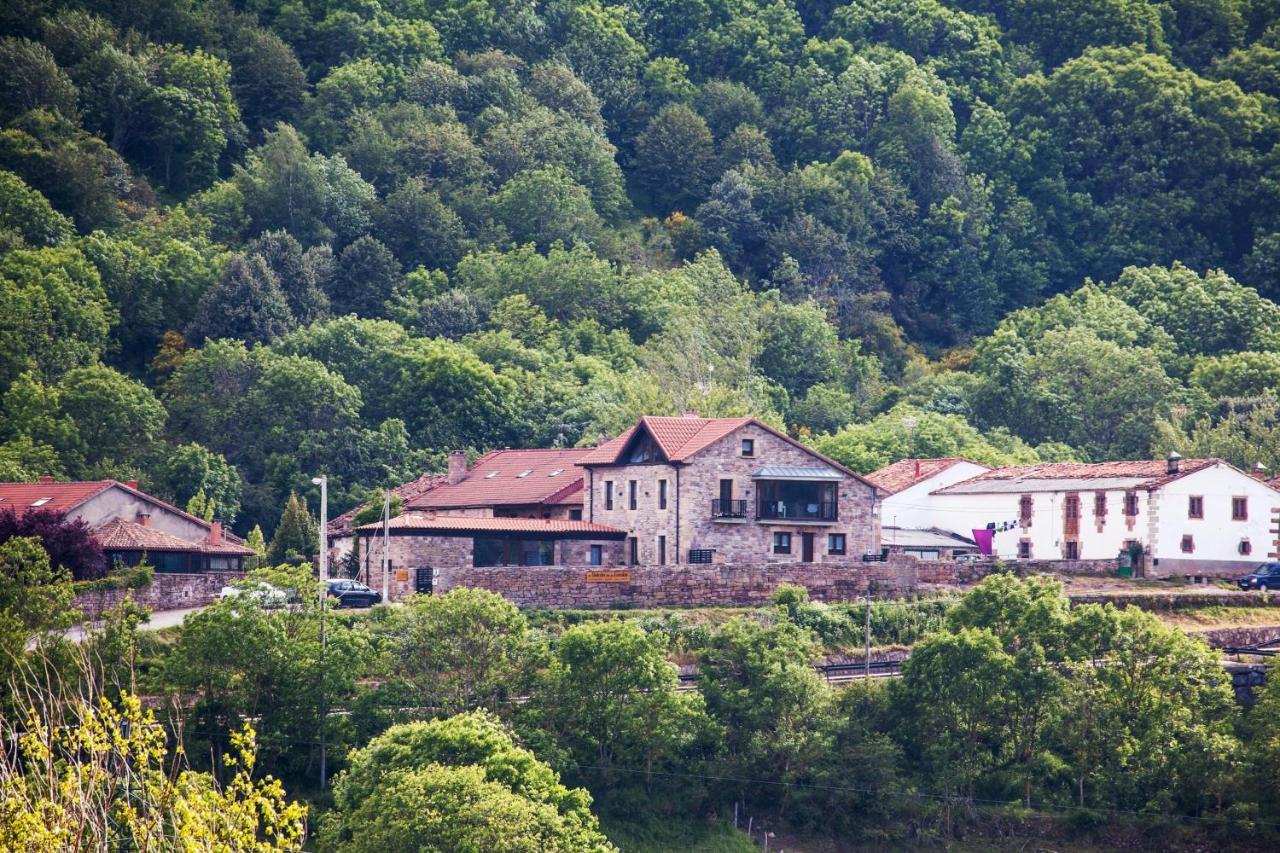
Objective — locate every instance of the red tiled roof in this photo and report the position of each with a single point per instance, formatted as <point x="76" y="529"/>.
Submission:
<point x="680" y="438"/>
<point x="121" y="535"/>
<point x="427" y="522"/>
<point x="65" y="496"/>
<point x="1152" y="473"/>
<point x="506" y="477"/>
<point x="907" y="472"/>
<point x="408" y="492"/>
<point x="62" y="497"/>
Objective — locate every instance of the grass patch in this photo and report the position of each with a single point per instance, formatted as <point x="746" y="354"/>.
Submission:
<point x="651" y="834"/>
<point x="1220" y="616"/>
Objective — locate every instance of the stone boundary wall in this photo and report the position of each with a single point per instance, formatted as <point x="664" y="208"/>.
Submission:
<point x="682" y="585"/>
<point x="1248" y="636"/>
<point x="167" y="592"/>
<point x="1089" y="568"/>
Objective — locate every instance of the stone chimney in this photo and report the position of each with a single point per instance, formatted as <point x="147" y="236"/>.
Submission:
<point x="917" y="469"/>
<point x="457" y="466"/>
<point x="46" y="480"/>
<point x="1259" y="471"/>
<point x="215" y="532"/>
<point x="144" y="518"/>
<point x="1173" y="462"/>
<point x="133" y="484"/>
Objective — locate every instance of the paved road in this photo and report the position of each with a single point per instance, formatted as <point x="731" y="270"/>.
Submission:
<point x="159" y="621"/>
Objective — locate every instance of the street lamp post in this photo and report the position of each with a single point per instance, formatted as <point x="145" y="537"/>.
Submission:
<point x="323" y="482"/>
<point x="386" y="545"/>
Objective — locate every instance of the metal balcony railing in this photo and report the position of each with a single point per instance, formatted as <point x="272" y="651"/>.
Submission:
<point x="728" y="508"/>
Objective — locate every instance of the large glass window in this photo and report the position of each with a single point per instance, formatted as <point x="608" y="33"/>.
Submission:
<point x="494" y="551"/>
<point x="797" y="499"/>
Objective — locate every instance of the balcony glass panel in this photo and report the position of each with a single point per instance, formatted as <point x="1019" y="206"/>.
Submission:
<point x="792" y="500"/>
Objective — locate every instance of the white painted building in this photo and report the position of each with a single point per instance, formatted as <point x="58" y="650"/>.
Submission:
<point x="1176" y="517"/>
<point x="906" y="493"/>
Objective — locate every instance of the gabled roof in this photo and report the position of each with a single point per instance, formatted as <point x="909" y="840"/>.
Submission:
<point x="906" y="473"/>
<point x="681" y="438"/>
<point x="65" y="496"/>
<point x="1066" y="476"/>
<point x="407" y="492"/>
<point x="121" y="535"/>
<point x="511" y="477"/>
<point x="923" y="537"/>
<point x="429" y="523"/>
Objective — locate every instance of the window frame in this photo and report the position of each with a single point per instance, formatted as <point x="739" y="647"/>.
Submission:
<point x="1071" y="550"/>
<point x="1188" y="544"/>
<point x="1195" y="507"/>
<point x="1024" y="549"/>
<point x="662" y="550"/>
<point x="1239" y="507"/>
<point x="608" y="494"/>
<point x="633" y="554"/>
<point x="1245" y="547"/>
<point x="844" y="544"/>
<point x="781" y="542"/>
<point x="1131" y="504"/>
<point x="1026" y="509"/>
<point x="747" y="447"/>
<point x="662" y="494"/>
<point x="1099" y="504"/>
<point x="595" y="556"/>
<point x="633" y="490"/>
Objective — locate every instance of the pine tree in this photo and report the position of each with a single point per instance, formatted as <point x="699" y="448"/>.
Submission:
<point x="295" y="536"/>
<point x="246" y="303"/>
<point x="258" y="543"/>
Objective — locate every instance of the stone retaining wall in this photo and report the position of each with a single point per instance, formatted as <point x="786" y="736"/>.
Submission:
<point x="682" y="585"/>
<point x="166" y="592"/>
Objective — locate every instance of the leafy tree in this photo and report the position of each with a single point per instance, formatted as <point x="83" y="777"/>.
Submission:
<point x="258" y="543"/>
<point x="298" y="279"/>
<point x="674" y="155"/>
<point x="117" y="419"/>
<point x="419" y="228"/>
<point x="46" y="295"/>
<point x="115" y="783"/>
<point x="68" y="545"/>
<point x="296" y="535"/>
<point x="32" y="79"/>
<point x="1241" y="374"/>
<point x="191" y="467"/>
<point x="27" y="217"/>
<point x="368" y="276"/>
<point x="545" y="207"/>
<point x="246" y="303"/>
<point x="267" y="80"/>
<point x="457" y="784"/>
<point x="799" y="347"/>
<point x="465" y="650"/>
<point x="35" y="597"/>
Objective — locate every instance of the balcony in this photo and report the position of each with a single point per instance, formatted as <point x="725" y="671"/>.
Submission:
<point x="721" y="508"/>
<point x="797" y="510"/>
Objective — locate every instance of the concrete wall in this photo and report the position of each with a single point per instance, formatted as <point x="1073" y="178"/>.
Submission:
<point x="734" y="541"/>
<point x="664" y="586"/>
<point x="167" y="592"/>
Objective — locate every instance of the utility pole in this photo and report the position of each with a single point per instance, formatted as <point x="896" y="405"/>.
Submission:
<point x="323" y="482"/>
<point x="866" y="661"/>
<point x="386" y="547"/>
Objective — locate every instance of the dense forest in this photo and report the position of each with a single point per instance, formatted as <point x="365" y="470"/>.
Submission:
<point x="243" y="243"/>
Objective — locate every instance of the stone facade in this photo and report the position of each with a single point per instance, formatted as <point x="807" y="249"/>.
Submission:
<point x="166" y="592"/>
<point x="687" y="523"/>
<point x="665" y="586"/>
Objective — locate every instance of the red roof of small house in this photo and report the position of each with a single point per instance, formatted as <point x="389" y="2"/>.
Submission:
<point x="429" y="523"/>
<point x="1050" y="476"/>
<point x="64" y="496"/>
<point x="121" y="535"/>
<point x="681" y="438"/>
<point x="342" y="525"/>
<point x="905" y="473"/>
<point x="511" y="477"/>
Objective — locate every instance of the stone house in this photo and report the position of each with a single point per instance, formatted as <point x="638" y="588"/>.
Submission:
<point x="727" y="490"/>
<point x="131" y="525"/>
<point x="1174" y="517"/>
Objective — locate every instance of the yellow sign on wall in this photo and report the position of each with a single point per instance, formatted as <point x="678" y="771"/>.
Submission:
<point x="609" y="576"/>
<point x="402" y="575"/>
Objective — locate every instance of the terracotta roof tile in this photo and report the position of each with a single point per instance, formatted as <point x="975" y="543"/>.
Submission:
<point x="507" y="477"/>
<point x="408" y="492"/>
<point x="1140" y="473"/>
<point x="907" y="472"/>
<point x="121" y="535"/>
<point x="427" y="522"/>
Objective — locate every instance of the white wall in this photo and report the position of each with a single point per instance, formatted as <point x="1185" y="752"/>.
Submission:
<point x="116" y="502"/>
<point x="1216" y="536"/>
<point x="915" y="507"/>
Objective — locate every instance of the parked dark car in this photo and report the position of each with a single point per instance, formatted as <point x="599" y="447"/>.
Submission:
<point x="1265" y="577"/>
<point x="353" y="594"/>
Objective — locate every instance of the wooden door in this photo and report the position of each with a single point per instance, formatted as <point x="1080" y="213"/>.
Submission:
<point x="806" y="547"/>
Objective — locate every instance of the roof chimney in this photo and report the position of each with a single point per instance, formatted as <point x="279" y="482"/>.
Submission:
<point x="917" y="469"/>
<point x="133" y="484"/>
<point x="1259" y="471"/>
<point x="215" y="532"/>
<point x="1174" y="462"/>
<point x="144" y="518"/>
<point x="46" y="479"/>
<point x="457" y="466"/>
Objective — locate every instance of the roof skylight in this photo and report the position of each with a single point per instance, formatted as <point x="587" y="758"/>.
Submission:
<point x="491" y="475"/>
<point x="41" y="501"/>
<point x="556" y="473"/>
<point x="524" y="473"/>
